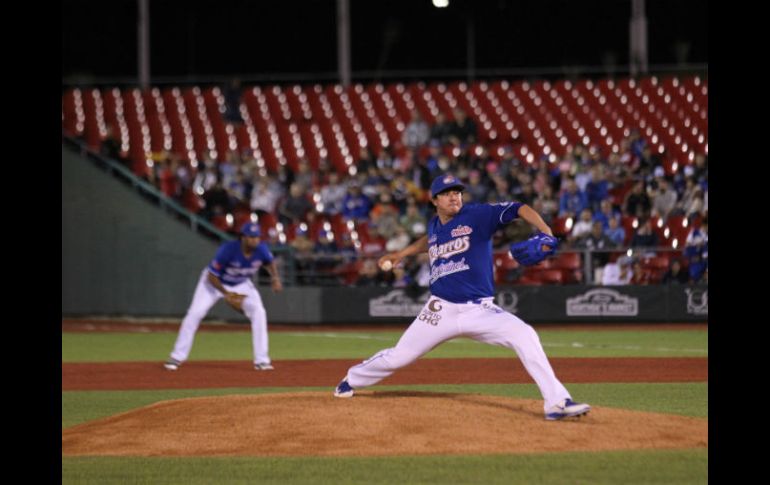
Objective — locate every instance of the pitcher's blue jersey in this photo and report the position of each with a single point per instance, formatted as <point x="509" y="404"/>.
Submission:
<point x="232" y="267"/>
<point x="461" y="251"/>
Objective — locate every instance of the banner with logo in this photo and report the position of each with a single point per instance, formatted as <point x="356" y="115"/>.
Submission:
<point x="535" y="304"/>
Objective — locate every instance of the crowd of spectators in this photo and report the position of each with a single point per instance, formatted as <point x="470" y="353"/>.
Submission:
<point x="387" y="194"/>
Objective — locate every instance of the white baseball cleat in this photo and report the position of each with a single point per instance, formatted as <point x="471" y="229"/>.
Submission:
<point x="264" y="366"/>
<point x="172" y="364"/>
<point x="567" y="409"/>
<point x="344" y="390"/>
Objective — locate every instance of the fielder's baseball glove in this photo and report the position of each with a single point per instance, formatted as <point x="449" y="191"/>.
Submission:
<point x="535" y="249"/>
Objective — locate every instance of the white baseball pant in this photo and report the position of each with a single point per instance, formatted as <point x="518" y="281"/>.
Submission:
<point x="205" y="297"/>
<point x="481" y="320"/>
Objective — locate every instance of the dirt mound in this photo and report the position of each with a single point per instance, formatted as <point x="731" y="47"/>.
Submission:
<point x="371" y="423"/>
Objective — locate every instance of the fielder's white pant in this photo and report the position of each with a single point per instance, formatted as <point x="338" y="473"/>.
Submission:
<point x="440" y="320"/>
<point x="205" y="297"/>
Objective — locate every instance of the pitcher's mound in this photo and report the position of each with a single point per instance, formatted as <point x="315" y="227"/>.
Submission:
<point x="371" y="423"/>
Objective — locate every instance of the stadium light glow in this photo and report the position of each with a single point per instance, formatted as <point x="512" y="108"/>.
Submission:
<point x="440" y="3"/>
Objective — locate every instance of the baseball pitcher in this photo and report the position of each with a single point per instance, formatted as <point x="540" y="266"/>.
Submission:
<point x="459" y="244"/>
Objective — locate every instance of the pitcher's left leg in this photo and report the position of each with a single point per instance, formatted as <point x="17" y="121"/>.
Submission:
<point x="494" y="325"/>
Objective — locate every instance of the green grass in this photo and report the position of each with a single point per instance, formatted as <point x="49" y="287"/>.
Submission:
<point x="122" y="347"/>
<point x="687" y="399"/>
<point x="675" y="467"/>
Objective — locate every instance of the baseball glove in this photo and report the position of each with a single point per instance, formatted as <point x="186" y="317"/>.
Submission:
<point x="235" y="300"/>
<point x="535" y="249"/>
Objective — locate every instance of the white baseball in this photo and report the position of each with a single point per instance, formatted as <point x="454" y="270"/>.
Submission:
<point x="386" y="265"/>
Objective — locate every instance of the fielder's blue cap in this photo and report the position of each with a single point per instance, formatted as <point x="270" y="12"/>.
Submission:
<point x="445" y="182"/>
<point x="251" y="229"/>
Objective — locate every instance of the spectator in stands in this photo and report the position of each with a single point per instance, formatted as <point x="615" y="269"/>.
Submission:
<point x="618" y="273"/>
<point x="597" y="188"/>
<point x="370" y="275"/>
<point x="637" y="143"/>
<point x="295" y="206"/>
<point x="413" y="220"/>
<point x="333" y="194"/>
<point x="237" y="189"/>
<point x="696" y="204"/>
<point x="605" y="213"/>
<point x="675" y="274"/>
<point x="701" y="170"/>
<point x="637" y="202"/>
<point x="582" y="227"/>
<point x="440" y="130"/>
<point x="217" y="201"/>
<point x="476" y="189"/>
<point x="501" y="191"/>
<point x="401" y="279"/>
<point x="616" y="171"/>
<point x="403" y="190"/>
<point x="638" y="274"/>
<point x="206" y="179"/>
<point x="356" y="206"/>
<point x="615" y="232"/>
<point x="385" y="158"/>
<point x="365" y="160"/>
<point x="696" y="251"/>
<point x="303" y="254"/>
<point x="697" y="267"/>
<point x="183" y="175"/>
<point x="688" y="195"/>
<point x="597" y="241"/>
<point x="463" y="129"/>
<point x="546" y="204"/>
<point x="285" y="177"/>
<point x="398" y="241"/>
<point x="416" y="133"/>
<point x="647" y="162"/>
<point x="572" y="200"/>
<point x="527" y="195"/>
<point x="165" y="177"/>
<point x="326" y="251"/>
<point x="232" y="95"/>
<point x="384" y="216"/>
<point x="419" y="174"/>
<point x="663" y="199"/>
<point x="305" y="176"/>
<point x="645" y="236"/>
<point x="265" y="195"/>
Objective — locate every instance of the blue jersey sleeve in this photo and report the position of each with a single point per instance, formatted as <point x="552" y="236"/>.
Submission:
<point x="267" y="256"/>
<point x="499" y="214"/>
<point x="220" y="261"/>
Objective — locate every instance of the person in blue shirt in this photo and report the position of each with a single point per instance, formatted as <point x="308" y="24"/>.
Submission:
<point x="459" y="246"/>
<point x="229" y="276"/>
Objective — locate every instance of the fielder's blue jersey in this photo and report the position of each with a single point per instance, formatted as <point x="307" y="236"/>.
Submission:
<point x="461" y="251"/>
<point x="232" y="267"/>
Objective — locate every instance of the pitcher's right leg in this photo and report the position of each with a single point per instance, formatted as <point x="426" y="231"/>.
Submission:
<point x="436" y="323"/>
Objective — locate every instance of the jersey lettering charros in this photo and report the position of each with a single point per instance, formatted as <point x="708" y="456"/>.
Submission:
<point x="461" y="251"/>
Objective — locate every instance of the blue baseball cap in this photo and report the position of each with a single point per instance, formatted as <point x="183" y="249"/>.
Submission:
<point x="445" y="182"/>
<point x="251" y="229"/>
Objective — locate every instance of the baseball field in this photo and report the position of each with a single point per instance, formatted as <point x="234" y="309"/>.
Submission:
<point x="465" y="413"/>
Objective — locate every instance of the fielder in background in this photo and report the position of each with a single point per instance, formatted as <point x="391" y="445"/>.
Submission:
<point x="459" y="244"/>
<point x="229" y="276"/>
